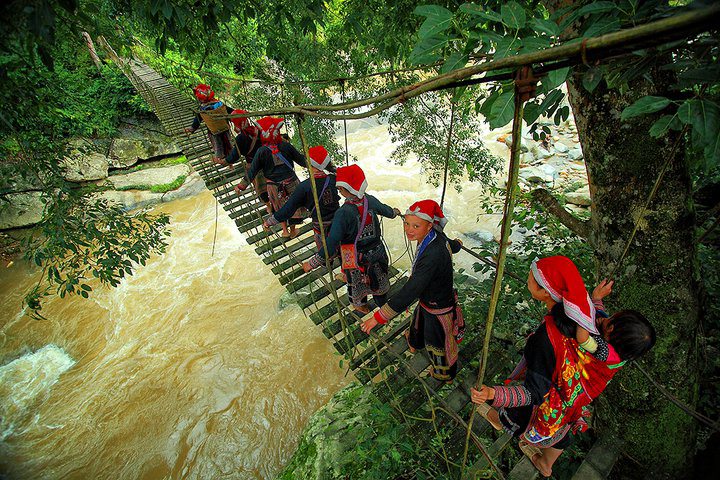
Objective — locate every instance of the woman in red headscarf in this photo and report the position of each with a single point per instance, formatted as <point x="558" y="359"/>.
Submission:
<point x="560" y="378"/>
<point x="218" y="130"/>
<point x="275" y="159"/>
<point x="355" y="234"/>
<point x="247" y="143"/>
<point x="302" y="197"/>
<point x="437" y="321"/>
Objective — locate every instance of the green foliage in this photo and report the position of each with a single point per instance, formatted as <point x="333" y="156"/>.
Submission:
<point x="165" y="162"/>
<point x="357" y="436"/>
<point x="55" y="92"/>
<point x="421" y="128"/>
<point x="82" y="238"/>
<point x="161" y="188"/>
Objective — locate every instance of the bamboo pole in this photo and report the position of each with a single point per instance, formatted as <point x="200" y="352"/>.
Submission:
<point x="510" y="198"/>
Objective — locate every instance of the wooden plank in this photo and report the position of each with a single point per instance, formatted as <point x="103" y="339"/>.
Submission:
<point x="600" y="460"/>
<point x="299" y="257"/>
<point x="523" y="470"/>
<point x="319" y="293"/>
<point x="275" y="256"/>
<point x="266" y="247"/>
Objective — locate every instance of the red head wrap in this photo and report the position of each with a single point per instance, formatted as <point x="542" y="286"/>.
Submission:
<point x="245" y="125"/>
<point x="204" y="93"/>
<point x="319" y="157"/>
<point x="270" y="131"/>
<point x="561" y="279"/>
<point x="352" y="178"/>
<point x="430" y="211"/>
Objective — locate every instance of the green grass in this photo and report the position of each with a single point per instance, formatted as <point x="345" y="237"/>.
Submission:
<point x="161" y="188"/>
<point x="165" y="162"/>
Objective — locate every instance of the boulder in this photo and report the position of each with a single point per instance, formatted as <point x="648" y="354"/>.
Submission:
<point x="127" y="150"/>
<point x="535" y="175"/>
<point x="134" y="199"/>
<point x="575" y="154"/>
<point x="580" y="197"/>
<point x="561" y="148"/>
<point x="84" y="163"/>
<point x="149" y="176"/>
<point x="21" y="210"/>
<point x="481" y="236"/>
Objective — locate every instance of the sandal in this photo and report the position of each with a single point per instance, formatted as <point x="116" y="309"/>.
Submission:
<point x="532" y="452"/>
<point x="483" y="409"/>
<point x="406" y="334"/>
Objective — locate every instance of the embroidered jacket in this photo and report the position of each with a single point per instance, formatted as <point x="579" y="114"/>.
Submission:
<point x="431" y="280"/>
<point x="302" y="196"/>
<point x="345" y="226"/>
<point x="275" y="171"/>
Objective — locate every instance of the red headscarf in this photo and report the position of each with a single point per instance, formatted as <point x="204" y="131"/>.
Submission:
<point x="319" y="157"/>
<point x="561" y="279"/>
<point x="352" y="178"/>
<point x="245" y="125"/>
<point x="270" y="131"/>
<point x="430" y="211"/>
<point x="204" y="93"/>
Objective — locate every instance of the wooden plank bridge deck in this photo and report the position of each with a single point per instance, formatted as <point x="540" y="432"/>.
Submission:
<point x="371" y="359"/>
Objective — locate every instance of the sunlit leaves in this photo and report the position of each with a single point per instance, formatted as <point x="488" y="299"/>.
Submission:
<point x="502" y="110"/>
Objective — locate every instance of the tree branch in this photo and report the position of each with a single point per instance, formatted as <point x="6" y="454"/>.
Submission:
<point x="545" y="199"/>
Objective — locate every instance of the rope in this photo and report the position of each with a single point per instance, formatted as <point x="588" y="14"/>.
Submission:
<point x="447" y="151"/>
<point x="347" y="153"/>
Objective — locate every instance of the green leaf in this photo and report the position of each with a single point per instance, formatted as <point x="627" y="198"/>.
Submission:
<point x="478" y="11"/>
<point x="592" y="78"/>
<point x="550" y="101"/>
<point x="438" y="19"/>
<point x="534" y="44"/>
<point x="454" y="61"/>
<point x="484" y="109"/>
<point x="643" y="106"/>
<point x="602" y="26"/>
<point x="595" y="7"/>
<point x="555" y="78"/>
<point x="86" y="287"/>
<point x="426" y="50"/>
<point x="507" y="46"/>
<point x="531" y="112"/>
<point x="502" y="110"/>
<point x="704" y="117"/>
<point x="167" y="10"/>
<point x="662" y="125"/>
<point x="545" y="26"/>
<point x="513" y="15"/>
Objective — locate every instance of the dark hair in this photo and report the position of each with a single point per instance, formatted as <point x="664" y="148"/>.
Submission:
<point x="330" y="168"/>
<point x="632" y="335"/>
<point x="565" y="324"/>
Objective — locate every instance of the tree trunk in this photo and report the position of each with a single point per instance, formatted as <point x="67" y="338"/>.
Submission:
<point x="658" y="277"/>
